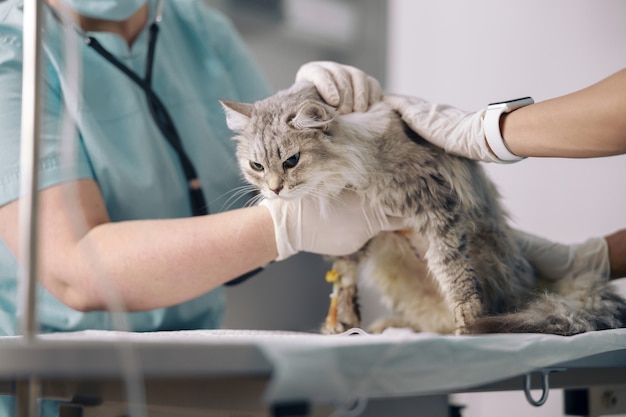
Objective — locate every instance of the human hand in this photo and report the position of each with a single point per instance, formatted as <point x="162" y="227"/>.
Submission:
<point x="340" y="228"/>
<point x="342" y="86"/>
<point x="554" y="261"/>
<point x="456" y="131"/>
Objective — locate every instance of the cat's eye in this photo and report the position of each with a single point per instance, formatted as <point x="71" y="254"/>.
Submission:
<point x="256" y="166"/>
<point x="292" y="161"/>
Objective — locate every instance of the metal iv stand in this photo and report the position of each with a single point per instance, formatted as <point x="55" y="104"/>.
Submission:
<point x="28" y="390"/>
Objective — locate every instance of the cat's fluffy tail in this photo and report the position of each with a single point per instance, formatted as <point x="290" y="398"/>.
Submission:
<point x="576" y="305"/>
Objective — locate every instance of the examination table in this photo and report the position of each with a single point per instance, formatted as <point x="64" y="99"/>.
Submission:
<point x="266" y="373"/>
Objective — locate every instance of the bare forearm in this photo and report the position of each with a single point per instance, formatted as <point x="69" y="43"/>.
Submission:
<point x="158" y="263"/>
<point x="617" y="253"/>
<point x="586" y="123"/>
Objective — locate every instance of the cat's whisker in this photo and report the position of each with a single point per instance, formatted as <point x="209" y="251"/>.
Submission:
<point x="235" y="196"/>
<point x="237" y="193"/>
<point x="255" y="200"/>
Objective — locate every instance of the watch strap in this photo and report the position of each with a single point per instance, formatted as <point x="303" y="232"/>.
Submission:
<point x="491" y="127"/>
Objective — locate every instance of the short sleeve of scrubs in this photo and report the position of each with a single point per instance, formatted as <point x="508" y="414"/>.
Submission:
<point x="53" y="168"/>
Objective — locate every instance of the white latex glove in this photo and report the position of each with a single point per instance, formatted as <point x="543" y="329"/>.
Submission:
<point x="554" y="261"/>
<point x="339" y="229"/>
<point x="458" y="132"/>
<point x="342" y="86"/>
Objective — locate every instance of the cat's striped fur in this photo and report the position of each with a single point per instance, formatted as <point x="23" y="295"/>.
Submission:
<point x="459" y="268"/>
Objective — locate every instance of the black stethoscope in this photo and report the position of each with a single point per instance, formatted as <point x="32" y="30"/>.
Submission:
<point x="159" y="113"/>
<point x="162" y="118"/>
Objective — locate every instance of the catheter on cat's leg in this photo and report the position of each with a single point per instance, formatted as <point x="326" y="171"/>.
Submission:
<point x="343" y="313"/>
<point x="332" y="276"/>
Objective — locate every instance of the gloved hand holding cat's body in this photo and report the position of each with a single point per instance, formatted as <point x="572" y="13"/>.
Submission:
<point x="339" y="229"/>
<point x="554" y="261"/>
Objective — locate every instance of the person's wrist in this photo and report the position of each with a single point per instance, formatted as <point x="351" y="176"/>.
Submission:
<point x="270" y="226"/>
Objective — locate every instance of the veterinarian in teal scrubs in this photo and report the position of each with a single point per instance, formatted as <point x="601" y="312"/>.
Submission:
<point x="135" y="229"/>
<point x="121" y="148"/>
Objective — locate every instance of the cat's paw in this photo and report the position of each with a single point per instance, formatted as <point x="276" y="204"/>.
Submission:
<point x="381" y="325"/>
<point x="459" y="331"/>
<point x="466" y="313"/>
<point x="336" y="328"/>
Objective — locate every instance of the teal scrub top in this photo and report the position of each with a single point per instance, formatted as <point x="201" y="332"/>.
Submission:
<point x="199" y="59"/>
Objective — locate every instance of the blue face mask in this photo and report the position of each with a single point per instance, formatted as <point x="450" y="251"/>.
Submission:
<point x="106" y="9"/>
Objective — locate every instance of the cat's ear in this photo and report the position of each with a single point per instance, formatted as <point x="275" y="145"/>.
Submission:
<point x="312" y="115"/>
<point x="237" y="115"/>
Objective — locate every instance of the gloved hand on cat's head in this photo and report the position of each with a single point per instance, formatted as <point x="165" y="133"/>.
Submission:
<point x="554" y="261"/>
<point x="457" y="131"/>
<point x="342" y="86"/>
<point x="342" y="228"/>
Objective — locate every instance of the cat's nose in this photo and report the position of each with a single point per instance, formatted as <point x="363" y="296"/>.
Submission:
<point x="277" y="189"/>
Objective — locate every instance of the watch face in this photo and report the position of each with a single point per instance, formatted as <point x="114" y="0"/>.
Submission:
<point x="524" y="101"/>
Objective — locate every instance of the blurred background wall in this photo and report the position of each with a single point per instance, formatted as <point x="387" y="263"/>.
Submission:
<point x="466" y="54"/>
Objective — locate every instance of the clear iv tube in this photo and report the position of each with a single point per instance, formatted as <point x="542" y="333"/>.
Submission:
<point x="29" y="151"/>
<point x="27" y="390"/>
<point x="73" y="41"/>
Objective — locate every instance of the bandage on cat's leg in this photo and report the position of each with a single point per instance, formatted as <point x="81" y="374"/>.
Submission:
<point x="332" y="276"/>
<point x="343" y="313"/>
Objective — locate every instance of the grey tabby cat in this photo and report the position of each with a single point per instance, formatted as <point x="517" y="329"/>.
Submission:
<point x="458" y="268"/>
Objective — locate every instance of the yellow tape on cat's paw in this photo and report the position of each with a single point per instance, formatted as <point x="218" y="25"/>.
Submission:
<point x="332" y="276"/>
